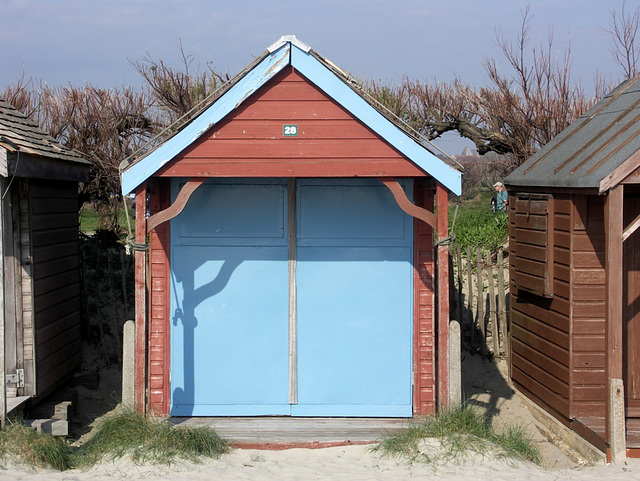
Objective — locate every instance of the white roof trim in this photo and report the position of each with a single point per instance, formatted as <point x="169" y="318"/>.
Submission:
<point x="289" y="39"/>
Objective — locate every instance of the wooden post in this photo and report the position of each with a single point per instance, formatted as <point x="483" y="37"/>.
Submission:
<point x="614" y="416"/>
<point x="459" y="307"/>
<point x="442" y="222"/>
<point x="502" y="304"/>
<point x="480" y="287"/>
<point x="3" y="382"/>
<point x="492" y="307"/>
<point x="140" y="257"/>
<point x="472" y="326"/>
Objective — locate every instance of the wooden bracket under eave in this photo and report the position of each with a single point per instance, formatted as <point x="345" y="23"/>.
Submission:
<point x="405" y="204"/>
<point x="178" y="205"/>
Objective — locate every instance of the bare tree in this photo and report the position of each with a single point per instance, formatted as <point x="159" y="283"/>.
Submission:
<point x="178" y="92"/>
<point x="624" y="30"/>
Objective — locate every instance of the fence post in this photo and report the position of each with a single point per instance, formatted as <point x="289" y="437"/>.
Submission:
<point x="492" y="307"/>
<point x="472" y="326"/>
<point x="460" y="288"/>
<point x="502" y="303"/>
<point x="481" y="301"/>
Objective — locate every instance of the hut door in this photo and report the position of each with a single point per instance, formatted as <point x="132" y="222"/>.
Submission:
<point x="354" y="298"/>
<point x="229" y="335"/>
<point x="312" y="320"/>
<point x="631" y="310"/>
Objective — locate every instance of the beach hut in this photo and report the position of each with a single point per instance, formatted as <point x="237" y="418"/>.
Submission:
<point x="291" y="267"/>
<point x="40" y="287"/>
<point x="575" y="274"/>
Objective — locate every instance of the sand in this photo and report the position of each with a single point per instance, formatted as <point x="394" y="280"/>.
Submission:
<point x="352" y="463"/>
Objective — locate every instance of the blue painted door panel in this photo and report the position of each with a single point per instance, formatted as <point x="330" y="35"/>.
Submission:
<point x="229" y="335"/>
<point x="354" y="291"/>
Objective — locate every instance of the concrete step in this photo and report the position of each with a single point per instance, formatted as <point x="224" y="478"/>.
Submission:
<point x="55" y="427"/>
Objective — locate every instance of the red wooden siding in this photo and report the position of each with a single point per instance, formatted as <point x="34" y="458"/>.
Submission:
<point x="424" y="392"/>
<point x="250" y="141"/>
<point x="540" y="327"/>
<point x="55" y="254"/>
<point x="159" y="304"/>
<point x="588" y="290"/>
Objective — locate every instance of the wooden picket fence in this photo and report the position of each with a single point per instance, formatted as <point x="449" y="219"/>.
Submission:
<point x="479" y="300"/>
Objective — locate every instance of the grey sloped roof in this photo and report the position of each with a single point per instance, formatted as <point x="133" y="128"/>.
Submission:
<point x="18" y="132"/>
<point x="591" y="148"/>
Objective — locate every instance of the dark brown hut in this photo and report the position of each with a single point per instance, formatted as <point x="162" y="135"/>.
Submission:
<point x="575" y="274"/>
<point x="39" y="252"/>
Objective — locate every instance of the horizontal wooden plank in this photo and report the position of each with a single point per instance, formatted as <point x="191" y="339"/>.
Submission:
<point x="290" y="148"/>
<point x="588" y="243"/>
<point x="590" y="408"/>
<point x="290" y="112"/>
<point x="562" y="273"/>
<point x="531" y="222"/>
<point x="561" y="288"/>
<point x="588" y="310"/>
<point x="589" y="393"/>
<point x="588" y="326"/>
<point x="534" y="268"/>
<point x="543" y="386"/>
<point x="531" y="207"/>
<point x="536" y="285"/>
<point x="55" y="205"/>
<point x="562" y="239"/>
<point x="544" y="312"/>
<point x="562" y="256"/>
<point x="550" y="365"/>
<point x="55" y="266"/>
<point x="582" y="360"/>
<point x="562" y="222"/>
<point x="588" y="259"/>
<point x="588" y="376"/>
<point x="58" y="280"/>
<point x="69" y="324"/>
<point x="250" y="129"/>
<point x="589" y="276"/>
<point x="53" y="251"/>
<point x="545" y="331"/>
<point x="562" y="205"/>
<point x="334" y="167"/>
<point x="52" y="189"/>
<point x="54" y="221"/>
<point x="588" y="292"/>
<point x="550" y="350"/>
<point x="524" y="250"/>
<point x="588" y="343"/>
<point x="55" y="236"/>
<point x="59" y="295"/>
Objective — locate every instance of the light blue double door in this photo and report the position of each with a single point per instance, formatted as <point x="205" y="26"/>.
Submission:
<point x="291" y="298"/>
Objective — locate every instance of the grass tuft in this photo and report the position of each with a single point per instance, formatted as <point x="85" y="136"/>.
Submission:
<point x="458" y="432"/>
<point x="148" y="440"/>
<point x="23" y="443"/>
<point x="127" y="433"/>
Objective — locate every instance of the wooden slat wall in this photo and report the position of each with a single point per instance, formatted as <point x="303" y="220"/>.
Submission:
<point x="540" y="328"/>
<point x="250" y="141"/>
<point x="588" y="291"/>
<point x="159" y="315"/>
<point x="55" y="252"/>
<point x="424" y="352"/>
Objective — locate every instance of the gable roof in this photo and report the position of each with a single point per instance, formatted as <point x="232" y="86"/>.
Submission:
<point x="600" y="146"/>
<point x="19" y="133"/>
<point x="288" y="50"/>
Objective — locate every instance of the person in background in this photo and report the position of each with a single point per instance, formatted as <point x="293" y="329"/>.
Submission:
<point x="502" y="197"/>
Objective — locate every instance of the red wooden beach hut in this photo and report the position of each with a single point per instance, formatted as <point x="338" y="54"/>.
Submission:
<point x="291" y="265"/>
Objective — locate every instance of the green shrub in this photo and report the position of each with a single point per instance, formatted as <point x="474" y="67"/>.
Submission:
<point x="23" y="443"/>
<point x="480" y="227"/>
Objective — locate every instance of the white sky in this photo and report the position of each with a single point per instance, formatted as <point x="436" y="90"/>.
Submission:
<point x="91" y="41"/>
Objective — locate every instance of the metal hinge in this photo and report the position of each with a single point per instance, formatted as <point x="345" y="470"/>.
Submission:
<point x="17" y="378"/>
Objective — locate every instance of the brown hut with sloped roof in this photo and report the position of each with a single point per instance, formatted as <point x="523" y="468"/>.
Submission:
<point x="40" y="283"/>
<point x="575" y="274"/>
